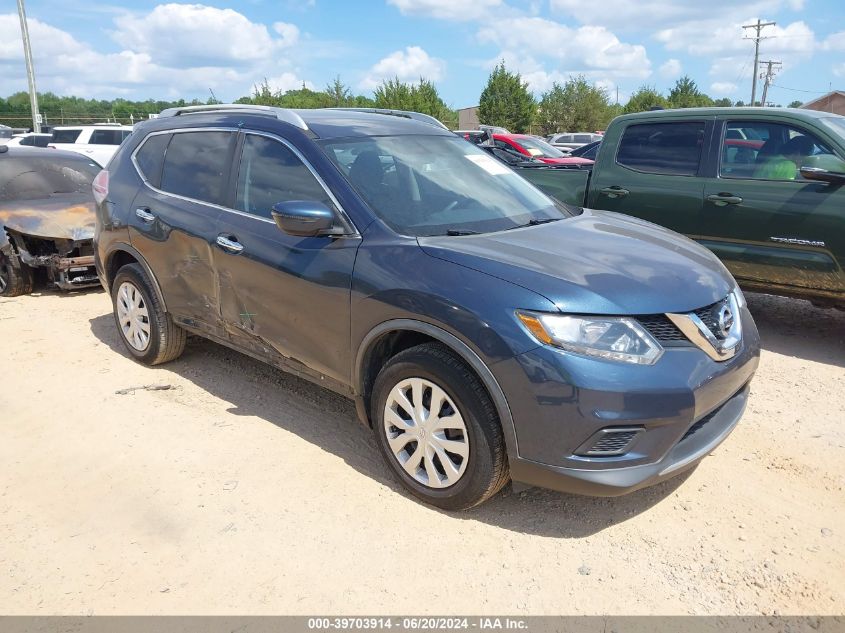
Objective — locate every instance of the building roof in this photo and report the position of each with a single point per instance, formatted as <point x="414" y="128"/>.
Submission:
<point x="823" y="98"/>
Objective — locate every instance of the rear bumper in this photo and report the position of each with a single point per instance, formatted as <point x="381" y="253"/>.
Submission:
<point x="618" y="481"/>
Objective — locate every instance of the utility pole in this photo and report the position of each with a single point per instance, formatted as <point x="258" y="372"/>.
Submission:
<point x="30" y="72"/>
<point x="758" y="27"/>
<point x="771" y="69"/>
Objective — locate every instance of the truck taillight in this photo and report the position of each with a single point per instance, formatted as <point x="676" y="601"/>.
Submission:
<point x="100" y="186"/>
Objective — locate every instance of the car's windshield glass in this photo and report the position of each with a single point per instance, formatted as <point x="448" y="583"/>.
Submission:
<point x="836" y="123"/>
<point x="434" y="185"/>
<point x="539" y="147"/>
<point x="31" y="177"/>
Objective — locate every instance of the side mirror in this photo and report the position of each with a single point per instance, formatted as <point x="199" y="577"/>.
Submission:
<point x="304" y="218"/>
<point x="824" y="167"/>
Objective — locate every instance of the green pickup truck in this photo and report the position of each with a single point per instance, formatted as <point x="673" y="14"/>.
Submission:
<point x="763" y="188"/>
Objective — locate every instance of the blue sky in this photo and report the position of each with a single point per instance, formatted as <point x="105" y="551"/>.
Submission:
<point x="143" y="48"/>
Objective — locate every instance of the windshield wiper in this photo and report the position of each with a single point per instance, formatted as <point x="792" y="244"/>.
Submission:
<point x="455" y="232"/>
<point x="533" y="222"/>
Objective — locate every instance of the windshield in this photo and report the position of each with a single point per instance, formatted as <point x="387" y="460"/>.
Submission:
<point x="836" y="123"/>
<point x="538" y="147"/>
<point x="436" y="185"/>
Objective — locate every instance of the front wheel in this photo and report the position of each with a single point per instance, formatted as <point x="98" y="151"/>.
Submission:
<point x="438" y="429"/>
<point x="15" y="277"/>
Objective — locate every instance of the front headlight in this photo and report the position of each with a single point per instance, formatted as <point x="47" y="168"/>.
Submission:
<point x="613" y="338"/>
<point x="740" y="298"/>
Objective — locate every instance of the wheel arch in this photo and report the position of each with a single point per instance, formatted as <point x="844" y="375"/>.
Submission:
<point x="391" y="337"/>
<point x="120" y="255"/>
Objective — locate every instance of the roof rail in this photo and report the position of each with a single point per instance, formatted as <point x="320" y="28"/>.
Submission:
<point x="283" y="114"/>
<point x="416" y="116"/>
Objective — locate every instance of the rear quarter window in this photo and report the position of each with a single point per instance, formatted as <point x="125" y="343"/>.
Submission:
<point x="662" y="148"/>
<point x="150" y="158"/>
<point x="107" y="137"/>
<point x="66" y="136"/>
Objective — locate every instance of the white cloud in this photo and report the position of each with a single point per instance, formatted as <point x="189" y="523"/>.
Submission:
<point x="723" y="88"/>
<point x="839" y="70"/>
<point x="575" y="51"/>
<point x="834" y="42"/>
<point x="670" y="69"/>
<point x="198" y="35"/>
<point x="288" y="81"/>
<point x="465" y="10"/>
<point x="408" y="65"/>
<point x="648" y="14"/>
<point x="172" y="51"/>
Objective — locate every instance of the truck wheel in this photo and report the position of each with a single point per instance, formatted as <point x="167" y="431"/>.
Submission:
<point x="146" y="330"/>
<point x="438" y="429"/>
<point x="15" y="277"/>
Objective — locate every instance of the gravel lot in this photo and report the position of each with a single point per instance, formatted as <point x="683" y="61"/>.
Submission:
<point x="244" y="490"/>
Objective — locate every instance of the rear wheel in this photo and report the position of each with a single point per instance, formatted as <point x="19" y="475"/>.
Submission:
<point x="147" y="331"/>
<point x="438" y="429"/>
<point x="15" y="276"/>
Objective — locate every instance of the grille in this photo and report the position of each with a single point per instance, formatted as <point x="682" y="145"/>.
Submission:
<point x="613" y="442"/>
<point x="609" y="442"/>
<point x="695" y="428"/>
<point x="661" y="328"/>
<point x="710" y="316"/>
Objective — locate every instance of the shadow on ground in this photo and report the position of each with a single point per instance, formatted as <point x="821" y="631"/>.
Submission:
<point x="794" y="327"/>
<point x="328" y="420"/>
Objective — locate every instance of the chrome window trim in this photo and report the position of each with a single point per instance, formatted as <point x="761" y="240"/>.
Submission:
<point x="344" y="217"/>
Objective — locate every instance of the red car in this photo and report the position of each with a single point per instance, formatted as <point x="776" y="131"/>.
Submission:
<point x="536" y="148"/>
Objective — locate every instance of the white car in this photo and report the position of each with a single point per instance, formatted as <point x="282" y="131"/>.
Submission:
<point x="99" y="141"/>
<point x="30" y="139"/>
<point x="569" y="141"/>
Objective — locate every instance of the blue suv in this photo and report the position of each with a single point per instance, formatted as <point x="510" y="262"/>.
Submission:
<point x="486" y="331"/>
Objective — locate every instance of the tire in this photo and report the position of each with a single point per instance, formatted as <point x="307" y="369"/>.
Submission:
<point x="472" y="478"/>
<point x="15" y="277"/>
<point x="147" y="331"/>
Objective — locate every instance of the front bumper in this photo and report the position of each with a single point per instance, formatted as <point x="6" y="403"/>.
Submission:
<point x="72" y="273"/>
<point x="560" y="402"/>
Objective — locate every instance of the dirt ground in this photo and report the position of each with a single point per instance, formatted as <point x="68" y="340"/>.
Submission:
<point x="244" y="490"/>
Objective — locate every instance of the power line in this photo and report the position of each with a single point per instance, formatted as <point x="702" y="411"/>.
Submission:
<point x="815" y="92"/>
<point x="758" y="27"/>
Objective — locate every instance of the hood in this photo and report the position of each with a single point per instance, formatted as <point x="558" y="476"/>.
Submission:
<point x="566" y="160"/>
<point x="65" y="216"/>
<point x="597" y="262"/>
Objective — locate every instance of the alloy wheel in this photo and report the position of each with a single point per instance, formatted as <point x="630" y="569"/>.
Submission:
<point x="133" y="316"/>
<point x="426" y="433"/>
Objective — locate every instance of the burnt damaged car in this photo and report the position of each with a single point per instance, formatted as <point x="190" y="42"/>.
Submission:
<point x="46" y="219"/>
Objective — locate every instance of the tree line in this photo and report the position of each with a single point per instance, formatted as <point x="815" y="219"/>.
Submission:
<point x="576" y="105"/>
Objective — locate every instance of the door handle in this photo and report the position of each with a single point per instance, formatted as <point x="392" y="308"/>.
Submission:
<point x="145" y="215"/>
<point x="614" y="192"/>
<point x="230" y="243"/>
<point x="723" y="199"/>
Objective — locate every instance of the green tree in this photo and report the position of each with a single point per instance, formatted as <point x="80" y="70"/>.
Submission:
<point x="645" y="98"/>
<point x="576" y="106"/>
<point x="685" y="94"/>
<point x="339" y="92"/>
<point x="723" y="103"/>
<point x="421" y="97"/>
<point x="795" y="104"/>
<point x="506" y="101"/>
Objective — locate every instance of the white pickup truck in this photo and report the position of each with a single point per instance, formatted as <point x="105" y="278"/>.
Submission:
<point x="99" y="141"/>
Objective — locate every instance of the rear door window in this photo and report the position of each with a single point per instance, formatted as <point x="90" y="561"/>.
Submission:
<point x="662" y="148"/>
<point x="66" y="136"/>
<point x="196" y="165"/>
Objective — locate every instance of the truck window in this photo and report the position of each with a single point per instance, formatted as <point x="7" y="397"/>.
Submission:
<point x="762" y="150"/>
<point x="196" y="165"/>
<point x="662" y="148"/>
<point x="66" y="136"/>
